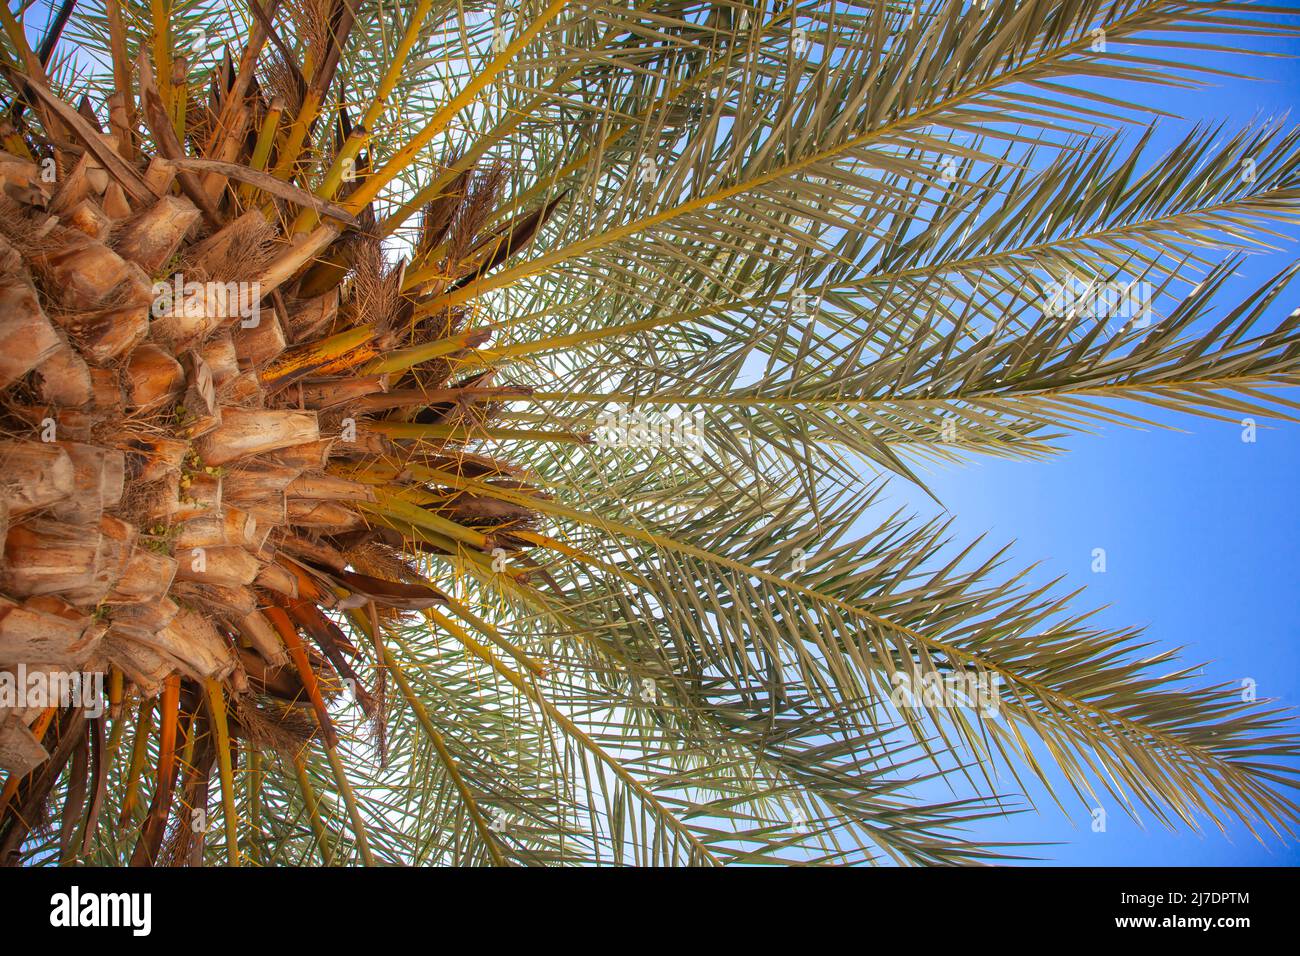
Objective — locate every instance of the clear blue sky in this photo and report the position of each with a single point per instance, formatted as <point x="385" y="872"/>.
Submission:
<point x="1200" y="530"/>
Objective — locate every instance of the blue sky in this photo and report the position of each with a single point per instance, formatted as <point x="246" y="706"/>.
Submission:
<point x="1200" y="530"/>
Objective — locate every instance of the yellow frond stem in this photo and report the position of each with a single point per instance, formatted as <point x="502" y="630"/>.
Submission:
<point x="217" y="703"/>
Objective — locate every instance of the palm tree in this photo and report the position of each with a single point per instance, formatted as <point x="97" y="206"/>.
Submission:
<point x="462" y="432"/>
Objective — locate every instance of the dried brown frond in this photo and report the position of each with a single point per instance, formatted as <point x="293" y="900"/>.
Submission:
<point x="270" y="723"/>
<point x="283" y="80"/>
<point x="437" y="216"/>
<point x="376" y="296"/>
<point x="310" y="21"/>
<point x="482" y="198"/>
